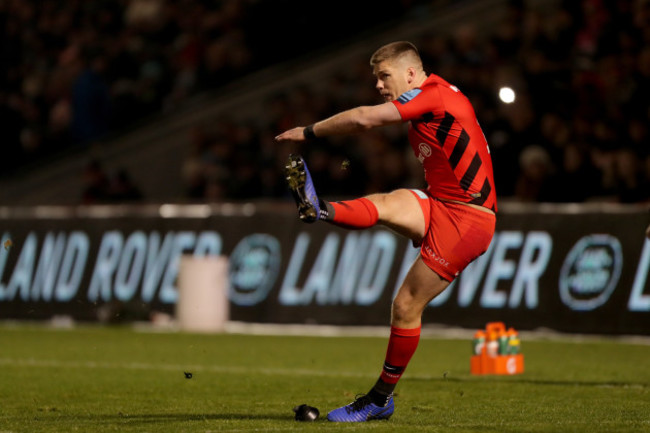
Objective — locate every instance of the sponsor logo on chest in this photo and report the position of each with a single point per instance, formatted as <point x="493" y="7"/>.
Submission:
<point x="425" y="152"/>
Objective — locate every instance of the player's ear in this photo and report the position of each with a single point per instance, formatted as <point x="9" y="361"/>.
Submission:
<point x="410" y="75"/>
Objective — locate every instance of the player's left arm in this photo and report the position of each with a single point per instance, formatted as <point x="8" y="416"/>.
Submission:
<point x="351" y="121"/>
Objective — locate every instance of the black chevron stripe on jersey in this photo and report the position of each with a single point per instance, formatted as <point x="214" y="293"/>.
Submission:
<point x="486" y="189"/>
<point x="471" y="172"/>
<point x="444" y="128"/>
<point x="459" y="149"/>
<point x="460" y="155"/>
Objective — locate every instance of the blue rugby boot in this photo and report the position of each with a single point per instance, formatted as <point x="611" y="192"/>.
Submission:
<point x="302" y="189"/>
<point x="362" y="409"/>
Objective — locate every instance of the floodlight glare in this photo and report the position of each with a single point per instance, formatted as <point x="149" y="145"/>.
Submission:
<point x="507" y="95"/>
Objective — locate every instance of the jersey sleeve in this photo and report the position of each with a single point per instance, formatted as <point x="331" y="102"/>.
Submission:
<point x="416" y="102"/>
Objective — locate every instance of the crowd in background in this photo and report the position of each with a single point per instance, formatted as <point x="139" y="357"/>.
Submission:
<point x="577" y="130"/>
<point x="77" y="71"/>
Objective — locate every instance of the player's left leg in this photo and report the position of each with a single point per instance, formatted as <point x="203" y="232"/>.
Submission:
<point x="420" y="286"/>
<point x="302" y="188"/>
<point x="455" y="236"/>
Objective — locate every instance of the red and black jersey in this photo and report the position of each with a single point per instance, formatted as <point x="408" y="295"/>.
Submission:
<point x="447" y="139"/>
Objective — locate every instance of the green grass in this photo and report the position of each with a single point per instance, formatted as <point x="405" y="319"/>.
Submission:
<point x="120" y="380"/>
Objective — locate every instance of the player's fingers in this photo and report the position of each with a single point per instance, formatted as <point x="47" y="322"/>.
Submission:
<point x="283" y="137"/>
<point x="294" y="134"/>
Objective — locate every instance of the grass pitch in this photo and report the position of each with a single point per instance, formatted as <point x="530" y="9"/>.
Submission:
<point x="121" y="380"/>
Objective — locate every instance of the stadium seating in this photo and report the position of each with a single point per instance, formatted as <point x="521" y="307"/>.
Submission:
<point x="197" y="96"/>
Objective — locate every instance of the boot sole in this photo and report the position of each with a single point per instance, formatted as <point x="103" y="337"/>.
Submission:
<point x="296" y="178"/>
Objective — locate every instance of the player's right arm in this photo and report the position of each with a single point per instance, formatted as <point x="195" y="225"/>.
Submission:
<point x="350" y="121"/>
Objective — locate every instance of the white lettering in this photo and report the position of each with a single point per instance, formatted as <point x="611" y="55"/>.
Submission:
<point x="320" y="275"/>
<point x="168" y="292"/>
<point x="376" y="268"/>
<point x="21" y="279"/>
<point x="208" y="244"/>
<point x="74" y="263"/>
<point x="500" y="269"/>
<point x="360" y="276"/>
<point x="638" y="301"/>
<point x="130" y="266"/>
<point x="530" y="269"/>
<point x="347" y="271"/>
<point x="4" y="254"/>
<point x="48" y="266"/>
<point x="105" y="265"/>
<point x="289" y="293"/>
<point x="157" y="259"/>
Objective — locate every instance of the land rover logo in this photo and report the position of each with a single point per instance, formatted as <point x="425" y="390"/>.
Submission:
<point x="254" y="267"/>
<point x="590" y="272"/>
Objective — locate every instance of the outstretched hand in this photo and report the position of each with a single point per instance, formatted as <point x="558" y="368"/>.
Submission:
<point x="295" y="134"/>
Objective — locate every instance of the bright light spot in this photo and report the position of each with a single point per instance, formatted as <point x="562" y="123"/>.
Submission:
<point x="507" y="95"/>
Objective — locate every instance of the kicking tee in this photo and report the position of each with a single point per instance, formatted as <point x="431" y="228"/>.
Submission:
<point x="447" y="139"/>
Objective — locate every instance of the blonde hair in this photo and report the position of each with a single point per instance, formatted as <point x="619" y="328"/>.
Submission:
<point x="395" y="50"/>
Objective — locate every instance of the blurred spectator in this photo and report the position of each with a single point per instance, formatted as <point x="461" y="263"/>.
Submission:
<point x="100" y="188"/>
<point x="535" y="172"/>
<point x="631" y="181"/>
<point x="576" y="180"/>
<point x="122" y="188"/>
<point x="96" y="184"/>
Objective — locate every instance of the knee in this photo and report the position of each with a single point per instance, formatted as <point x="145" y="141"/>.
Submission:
<point x="404" y="310"/>
<point x="380" y="201"/>
<point x="388" y="205"/>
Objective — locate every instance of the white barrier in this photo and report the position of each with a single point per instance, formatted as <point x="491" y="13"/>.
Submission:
<point x="202" y="294"/>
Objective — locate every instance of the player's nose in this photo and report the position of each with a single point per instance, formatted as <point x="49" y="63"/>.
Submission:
<point x="379" y="85"/>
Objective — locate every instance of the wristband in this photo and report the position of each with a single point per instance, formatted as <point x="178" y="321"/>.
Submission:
<point x="308" y="132"/>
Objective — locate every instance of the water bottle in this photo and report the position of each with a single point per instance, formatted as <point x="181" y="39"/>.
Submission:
<point x="514" y="345"/>
<point x="478" y="343"/>
<point x="504" y="342"/>
<point x="492" y="345"/>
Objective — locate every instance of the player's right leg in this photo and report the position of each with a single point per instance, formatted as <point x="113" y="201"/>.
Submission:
<point x="404" y="211"/>
<point x="401" y="210"/>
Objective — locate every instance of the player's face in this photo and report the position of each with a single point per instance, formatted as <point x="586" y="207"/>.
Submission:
<point x="391" y="80"/>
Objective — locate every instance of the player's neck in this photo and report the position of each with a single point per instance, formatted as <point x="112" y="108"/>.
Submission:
<point x="421" y="78"/>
